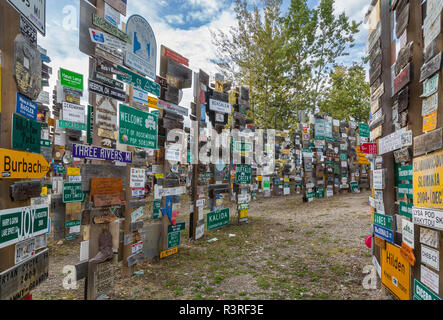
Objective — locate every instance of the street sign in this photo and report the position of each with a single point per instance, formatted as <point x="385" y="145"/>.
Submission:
<point x="19" y="224"/>
<point x="26" y="107"/>
<point x="34" y="11"/>
<point x="71" y="79"/>
<point x="138" y="81"/>
<point x="243" y="174"/>
<point x="142" y="55"/>
<point x="137" y="128"/>
<point x="72" y="192"/>
<point x="217" y="219"/>
<point x="421" y="292"/>
<point x="22" y="165"/>
<point x="396" y="271"/>
<point x="105" y="90"/>
<point x="109" y="28"/>
<point x="97" y="153"/>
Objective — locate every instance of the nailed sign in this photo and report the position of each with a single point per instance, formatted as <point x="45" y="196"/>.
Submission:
<point x="430" y="218"/>
<point x="217" y="219"/>
<point x="430" y="86"/>
<point x="34" y="11"/>
<point x="430" y="105"/>
<point x="104" y="90"/>
<point x="430" y="67"/>
<point x="219" y="106"/>
<point x="428" y="142"/>
<point x="138" y="81"/>
<point x="72" y="192"/>
<point x="428" y="188"/>
<point x="110" y="28"/>
<point x="26" y="134"/>
<point x="402" y="79"/>
<point x="22" y="165"/>
<point x="19" y="224"/>
<point x="142" y="55"/>
<point x="106" y="113"/>
<point x="243" y="174"/>
<point x="396" y="271"/>
<point x="26" y="107"/>
<point x="96" y="153"/>
<point x="137" y="128"/>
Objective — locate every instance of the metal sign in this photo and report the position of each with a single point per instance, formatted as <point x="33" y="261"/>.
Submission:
<point x="396" y="271"/>
<point x="109" y="28"/>
<point x="16" y="283"/>
<point x="104" y="90"/>
<point x="219" y="106"/>
<point x="172" y="108"/>
<point x="430" y="122"/>
<point x="421" y="292"/>
<point x="430" y="218"/>
<point x="19" y="224"/>
<point x="217" y="219"/>
<point x="119" y="5"/>
<point x="108" y="81"/>
<point x="34" y="11"/>
<point x="138" y="81"/>
<point x="71" y="79"/>
<point x="73" y="113"/>
<point x="72" y="192"/>
<point x="430" y="105"/>
<point x="243" y="174"/>
<point x="107" y="40"/>
<point x="430" y="67"/>
<point x="142" y="55"/>
<point x="174" y="56"/>
<point x="138" y="128"/>
<point x="429" y="278"/>
<point x="26" y="107"/>
<point x="97" y="153"/>
<point x="22" y="165"/>
<point x="428" y="189"/>
<point x="26" y="134"/>
<point x="430" y="86"/>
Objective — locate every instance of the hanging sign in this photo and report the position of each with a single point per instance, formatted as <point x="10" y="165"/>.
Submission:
<point x="396" y="271"/>
<point x="96" y="153"/>
<point x="428" y="188"/>
<point x="137" y="128"/>
<point x="19" y="224"/>
<point x="142" y="55"/>
<point x="369" y="148"/>
<point x="34" y="11"/>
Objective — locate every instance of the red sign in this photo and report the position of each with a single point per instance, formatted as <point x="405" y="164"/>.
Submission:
<point x="402" y="79"/>
<point x="369" y="148"/>
<point x="175" y="56"/>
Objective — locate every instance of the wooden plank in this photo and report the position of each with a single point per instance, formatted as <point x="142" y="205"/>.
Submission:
<point x="404" y="57"/>
<point x="428" y="142"/>
<point x="431" y="67"/>
<point x="21" y="191"/>
<point x="402" y="21"/>
<point x="106" y="186"/>
<point x="89" y="171"/>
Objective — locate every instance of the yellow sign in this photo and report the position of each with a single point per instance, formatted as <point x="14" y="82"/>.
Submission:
<point x="168" y="253"/>
<point x="259" y="178"/>
<point x="243" y="213"/>
<point x="428" y="186"/>
<point x="44" y="191"/>
<point x="73" y="171"/>
<point x="0" y="81"/>
<point x="395" y="272"/>
<point x="22" y="165"/>
<point x="159" y="176"/>
<point x="218" y="86"/>
<point x="286" y="179"/>
<point x="153" y="102"/>
<point x="430" y="122"/>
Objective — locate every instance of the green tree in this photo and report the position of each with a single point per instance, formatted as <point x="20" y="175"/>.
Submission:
<point x="348" y="94"/>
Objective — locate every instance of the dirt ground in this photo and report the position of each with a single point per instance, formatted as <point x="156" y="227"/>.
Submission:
<point x="289" y="250"/>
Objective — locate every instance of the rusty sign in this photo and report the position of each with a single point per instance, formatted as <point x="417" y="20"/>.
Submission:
<point x="105" y="200"/>
<point x="89" y="171"/>
<point x="106" y="186"/>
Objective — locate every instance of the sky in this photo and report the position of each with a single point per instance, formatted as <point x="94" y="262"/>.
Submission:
<point x="181" y="25"/>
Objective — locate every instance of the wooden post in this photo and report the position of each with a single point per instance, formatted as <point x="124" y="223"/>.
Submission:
<point x="9" y="29"/>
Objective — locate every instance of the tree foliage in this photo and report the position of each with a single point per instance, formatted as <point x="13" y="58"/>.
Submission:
<point x="348" y="94"/>
<point x="285" y="60"/>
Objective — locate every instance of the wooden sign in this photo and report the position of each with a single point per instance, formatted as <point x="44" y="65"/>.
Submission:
<point x="430" y="51"/>
<point x="375" y="58"/>
<point x="430" y="67"/>
<point x="379" y="242"/>
<point x="180" y="72"/>
<point x="106" y="113"/>
<point x="407" y="253"/>
<point x="402" y="155"/>
<point x="431" y="28"/>
<point x="108" y="81"/>
<point x="17" y="282"/>
<point x="402" y="21"/>
<point x="430" y="122"/>
<point x="106" y="186"/>
<point x="22" y="191"/>
<point x="378" y="92"/>
<point x="404" y="57"/>
<point x="119" y="5"/>
<point x="402" y="79"/>
<point x="89" y="171"/>
<point x="105" y="200"/>
<point x="428" y="142"/>
<point x="403" y="99"/>
<point x="374" y="37"/>
<point x="374" y="74"/>
<point x="427" y="185"/>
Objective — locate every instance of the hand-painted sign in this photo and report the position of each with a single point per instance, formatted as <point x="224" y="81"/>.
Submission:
<point x="142" y="55"/>
<point x="402" y="79"/>
<point x="138" y="128"/>
<point x="34" y="11"/>
<point x="369" y="148"/>
<point x="96" y="153"/>
<point x="430" y="237"/>
<point x="26" y="107"/>
<point x="26" y="134"/>
<point x="138" y="81"/>
<point x="19" y="224"/>
<point x="428" y="188"/>
<point x="396" y="272"/>
<point x="22" y="165"/>
<point x="217" y="219"/>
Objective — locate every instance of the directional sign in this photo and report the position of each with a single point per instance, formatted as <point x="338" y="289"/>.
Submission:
<point x="22" y="165"/>
<point x="138" y="81"/>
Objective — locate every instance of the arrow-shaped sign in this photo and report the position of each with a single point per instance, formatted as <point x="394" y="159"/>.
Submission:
<point x="22" y="165"/>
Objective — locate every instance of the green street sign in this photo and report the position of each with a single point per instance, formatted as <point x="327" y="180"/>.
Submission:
<point x="320" y="130"/>
<point x="217" y="219"/>
<point x="383" y="220"/>
<point x="310" y="195"/>
<point x="19" y="224"/>
<point x="72" y="125"/>
<point x="421" y="292"/>
<point x="156" y="209"/>
<point x="243" y="174"/>
<point x="71" y="79"/>
<point x="405" y="173"/>
<point x="110" y="28"/>
<point x="243" y="206"/>
<point x="343" y="156"/>
<point x="45" y="143"/>
<point x="26" y="134"/>
<point x="355" y="188"/>
<point x="138" y="81"/>
<point x="73" y="223"/>
<point x="241" y="146"/>
<point x="177" y="228"/>
<point x="72" y="192"/>
<point x="174" y="239"/>
<point x="363" y="130"/>
<point x="138" y="128"/>
<point x="60" y="169"/>
<point x="406" y="209"/>
<point x="405" y="190"/>
<point x="320" y="194"/>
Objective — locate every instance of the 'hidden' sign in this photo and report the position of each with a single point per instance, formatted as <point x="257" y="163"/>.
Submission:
<point x="96" y="153"/>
